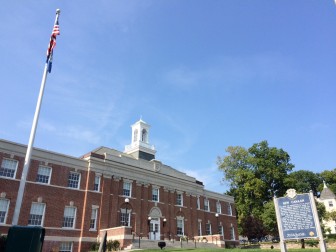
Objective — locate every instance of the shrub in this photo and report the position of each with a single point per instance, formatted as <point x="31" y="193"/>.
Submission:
<point x="94" y="246"/>
<point x="115" y="245"/>
<point x="312" y="243"/>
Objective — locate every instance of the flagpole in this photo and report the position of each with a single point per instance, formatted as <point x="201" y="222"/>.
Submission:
<point x="19" y="198"/>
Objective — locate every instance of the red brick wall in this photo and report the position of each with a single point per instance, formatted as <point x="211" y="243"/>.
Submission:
<point x="110" y="200"/>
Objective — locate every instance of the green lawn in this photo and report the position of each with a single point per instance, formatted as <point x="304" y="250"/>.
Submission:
<point x="237" y="250"/>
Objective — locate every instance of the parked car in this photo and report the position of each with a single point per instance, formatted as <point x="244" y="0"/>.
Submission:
<point x="275" y="239"/>
<point x="243" y="242"/>
<point x="254" y="241"/>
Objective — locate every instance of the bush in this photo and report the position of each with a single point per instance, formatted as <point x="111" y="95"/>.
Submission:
<point x="94" y="246"/>
<point x="331" y="236"/>
<point x="113" y="245"/>
<point x="312" y="243"/>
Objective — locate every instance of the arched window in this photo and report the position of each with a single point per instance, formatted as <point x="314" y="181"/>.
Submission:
<point x="144" y="136"/>
<point x="135" y="135"/>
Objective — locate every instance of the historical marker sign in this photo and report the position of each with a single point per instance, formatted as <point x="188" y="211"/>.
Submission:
<point x="297" y="218"/>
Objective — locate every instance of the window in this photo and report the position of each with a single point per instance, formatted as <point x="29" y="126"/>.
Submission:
<point x="232" y="233"/>
<point x="97" y="184"/>
<point x="144" y="136"/>
<point x="73" y="181"/>
<point x="180" y="226"/>
<point x="199" y="228"/>
<point x="69" y="217"/>
<point x="36" y="214"/>
<point x="127" y="188"/>
<point x="179" y="199"/>
<point x="198" y="203"/>
<point x="218" y="207"/>
<point x="229" y="209"/>
<point x="8" y="168"/>
<point x="207" y="229"/>
<point x="65" y="247"/>
<point x="135" y="135"/>
<point x="93" y="221"/>
<point x="125" y="218"/>
<point x="4" y="204"/>
<point x="206" y="205"/>
<point x="330" y="203"/>
<point x="43" y="174"/>
<point x="155" y="194"/>
<point x="220" y="230"/>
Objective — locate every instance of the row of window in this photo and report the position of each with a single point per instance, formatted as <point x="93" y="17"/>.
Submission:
<point x="208" y="229"/>
<point x="179" y="202"/>
<point x="125" y="221"/>
<point x="9" y="167"/>
<point x="37" y="213"/>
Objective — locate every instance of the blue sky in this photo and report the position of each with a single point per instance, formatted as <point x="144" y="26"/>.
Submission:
<point x="204" y="74"/>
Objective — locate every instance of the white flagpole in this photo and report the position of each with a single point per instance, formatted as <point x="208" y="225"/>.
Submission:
<point x="30" y="143"/>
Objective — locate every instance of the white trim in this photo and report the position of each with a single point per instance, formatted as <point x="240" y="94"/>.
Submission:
<point x="16" y="167"/>
<point x="6" y="214"/>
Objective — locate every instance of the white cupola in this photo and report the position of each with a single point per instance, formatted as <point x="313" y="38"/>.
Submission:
<point x="140" y="147"/>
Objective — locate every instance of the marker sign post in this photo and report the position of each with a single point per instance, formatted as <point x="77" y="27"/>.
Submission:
<point x="297" y="218"/>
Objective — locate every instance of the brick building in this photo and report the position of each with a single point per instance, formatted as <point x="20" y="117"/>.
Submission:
<point x="127" y="194"/>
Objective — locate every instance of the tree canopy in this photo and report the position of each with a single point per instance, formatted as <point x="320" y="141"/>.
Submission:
<point x="257" y="174"/>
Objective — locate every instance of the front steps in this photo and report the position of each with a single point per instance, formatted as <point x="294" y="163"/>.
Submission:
<point x="151" y="244"/>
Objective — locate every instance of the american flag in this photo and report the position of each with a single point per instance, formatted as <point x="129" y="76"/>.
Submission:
<point x="52" y="42"/>
<point x="52" y="45"/>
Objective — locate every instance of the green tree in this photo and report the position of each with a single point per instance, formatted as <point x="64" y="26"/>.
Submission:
<point x="255" y="175"/>
<point x="304" y="181"/>
<point x="330" y="178"/>
<point x="269" y="220"/>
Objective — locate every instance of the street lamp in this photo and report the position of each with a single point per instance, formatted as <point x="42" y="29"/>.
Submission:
<point x="217" y="215"/>
<point x="126" y="217"/>
<point x="164" y="223"/>
<point x="148" y="223"/>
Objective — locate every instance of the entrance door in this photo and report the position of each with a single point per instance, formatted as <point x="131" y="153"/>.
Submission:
<point x="154" y="229"/>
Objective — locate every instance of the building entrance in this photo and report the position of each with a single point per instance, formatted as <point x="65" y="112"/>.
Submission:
<point x="154" y="229"/>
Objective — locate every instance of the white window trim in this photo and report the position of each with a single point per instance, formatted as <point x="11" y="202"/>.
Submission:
<point x="210" y="231"/>
<point x="158" y="193"/>
<point x="6" y="215"/>
<point x="74" y="221"/>
<point x="230" y="210"/>
<point x="44" y="166"/>
<point x="198" y="203"/>
<point x="43" y="214"/>
<point x="129" y="213"/>
<point x="218" y="207"/>
<point x="180" y="218"/>
<point x="79" y="180"/>
<point x="94" y="207"/>
<point x="97" y="176"/>
<point x="200" y="228"/>
<point x="71" y="245"/>
<point x="129" y="182"/>
<point x="16" y="168"/>
<point x="232" y="232"/>
<point x="177" y="194"/>
<point x="208" y="205"/>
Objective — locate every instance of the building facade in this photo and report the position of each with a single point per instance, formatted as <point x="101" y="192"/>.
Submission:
<point x="328" y="198"/>
<point x="127" y="195"/>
